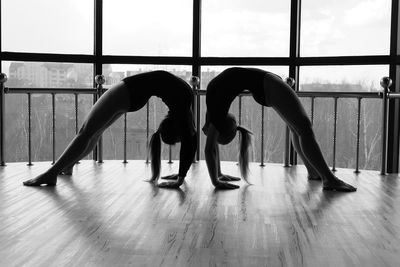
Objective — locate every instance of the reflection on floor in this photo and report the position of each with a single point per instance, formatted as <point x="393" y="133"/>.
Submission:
<point x="106" y="215"/>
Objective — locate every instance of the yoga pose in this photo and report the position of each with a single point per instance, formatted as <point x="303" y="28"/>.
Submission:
<point x="268" y="90"/>
<point x="130" y="95"/>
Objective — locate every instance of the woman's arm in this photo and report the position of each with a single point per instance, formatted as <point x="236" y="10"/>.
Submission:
<point x="187" y="153"/>
<point x="224" y="177"/>
<point x="212" y="159"/>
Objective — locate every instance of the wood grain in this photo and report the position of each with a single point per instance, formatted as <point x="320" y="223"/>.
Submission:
<point x="106" y="215"/>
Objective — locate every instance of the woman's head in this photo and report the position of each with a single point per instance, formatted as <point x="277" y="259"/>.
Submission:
<point x="169" y="130"/>
<point x="229" y="127"/>
<point x="169" y="133"/>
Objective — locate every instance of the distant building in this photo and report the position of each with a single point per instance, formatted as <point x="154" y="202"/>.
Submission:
<point x="53" y="75"/>
<point x="332" y="87"/>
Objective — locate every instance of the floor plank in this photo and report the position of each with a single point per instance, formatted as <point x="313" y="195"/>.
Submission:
<point x="106" y="215"/>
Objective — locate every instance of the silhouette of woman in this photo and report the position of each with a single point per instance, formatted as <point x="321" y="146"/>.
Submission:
<point x="268" y="90"/>
<point x="130" y="95"/>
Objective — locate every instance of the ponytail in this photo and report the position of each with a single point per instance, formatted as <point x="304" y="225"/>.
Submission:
<point x="155" y="155"/>
<point x="245" y="143"/>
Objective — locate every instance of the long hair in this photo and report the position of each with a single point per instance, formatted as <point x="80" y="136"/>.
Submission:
<point x="155" y="155"/>
<point x="168" y="132"/>
<point x="244" y="153"/>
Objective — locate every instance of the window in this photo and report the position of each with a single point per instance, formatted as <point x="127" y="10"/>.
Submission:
<point x="148" y="28"/>
<point x="43" y="75"/>
<point x="238" y="28"/>
<point x="346" y="78"/>
<point x="342" y="78"/>
<point x="345" y="27"/>
<point x="47" y="26"/>
<point x="48" y="74"/>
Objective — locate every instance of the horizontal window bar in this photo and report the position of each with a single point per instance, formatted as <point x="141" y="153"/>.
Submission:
<point x="14" y="90"/>
<point x="228" y="61"/>
<point x="321" y="94"/>
<point x="108" y="59"/>
<point x="17" y="56"/>
<point x="146" y="60"/>
<point x="340" y="94"/>
<point x="345" y="60"/>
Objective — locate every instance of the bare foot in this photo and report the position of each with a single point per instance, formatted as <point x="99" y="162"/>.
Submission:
<point x="220" y="185"/>
<point x="43" y="179"/>
<point x="228" y="178"/>
<point x="338" y="185"/>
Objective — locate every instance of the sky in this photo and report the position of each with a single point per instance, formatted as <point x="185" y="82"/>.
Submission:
<point x="229" y="28"/>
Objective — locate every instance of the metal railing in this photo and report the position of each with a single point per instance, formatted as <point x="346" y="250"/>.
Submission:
<point x="384" y="95"/>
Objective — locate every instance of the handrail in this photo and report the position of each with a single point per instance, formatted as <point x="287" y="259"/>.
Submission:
<point x="20" y="90"/>
<point x="385" y="95"/>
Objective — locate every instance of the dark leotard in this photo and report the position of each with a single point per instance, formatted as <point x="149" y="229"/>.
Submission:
<point x="224" y="88"/>
<point x="178" y="96"/>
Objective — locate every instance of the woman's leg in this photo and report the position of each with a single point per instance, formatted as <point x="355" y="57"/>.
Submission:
<point x="312" y="174"/>
<point x="107" y="109"/>
<point x="284" y="100"/>
<point x="91" y="145"/>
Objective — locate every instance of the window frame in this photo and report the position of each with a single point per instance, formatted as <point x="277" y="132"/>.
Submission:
<point x="293" y="61"/>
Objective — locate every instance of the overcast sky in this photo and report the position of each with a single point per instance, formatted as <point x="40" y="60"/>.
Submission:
<point x="229" y="28"/>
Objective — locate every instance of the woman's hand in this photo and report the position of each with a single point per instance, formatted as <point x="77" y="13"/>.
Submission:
<point x="228" y="178"/>
<point x="172" y="184"/>
<point x="170" y="177"/>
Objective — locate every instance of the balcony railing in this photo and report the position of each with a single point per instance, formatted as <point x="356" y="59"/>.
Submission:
<point x="384" y="95"/>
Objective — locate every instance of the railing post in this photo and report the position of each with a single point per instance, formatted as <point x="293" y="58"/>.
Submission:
<point x="53" y="116"/>
<point x="335" y="113"/>
<point x="386" y="82"/>
<point x="147" y="131"/>
<point x="76" y="116"/>
<point x="240" y="109"/>
<point x="170" y="155"/>
<point x="125" y="141"/>
<point x="358" y="135"/>
<point x="312" y="110"/>
<point x="100" y="80"/>
<point x="262" y="137"/>
<point x="3" y="79"/>
<point x="195" y="82"/>
<point x="291" y="82"/>
<point x="29" y="129"/>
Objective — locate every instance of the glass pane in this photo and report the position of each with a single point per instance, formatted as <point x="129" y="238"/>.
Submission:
<point x="239" y="28"/>
<point x="137" y="121"/>
<point x="345" y="27"/>
<point x="346" y="78"/>
<point x="342" y="78"/>
<point x="48" y="74"/>
<point x="47" y="26"/>
<point x="250" y="116"/>
<point x="209" y="72"/>
<point x="152" y="27"/>
<point x="36" y="75"/>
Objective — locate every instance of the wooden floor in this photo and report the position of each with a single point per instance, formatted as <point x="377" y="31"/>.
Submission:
<point x="106" y="215"/>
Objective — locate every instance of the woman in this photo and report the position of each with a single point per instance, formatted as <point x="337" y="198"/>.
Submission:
<point x="130" y="95"/>
<point x="268" y="90"/>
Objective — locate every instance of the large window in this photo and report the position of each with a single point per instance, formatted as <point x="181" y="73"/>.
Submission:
<point x="245" y="29"/>
<point x="52" y="45"/>
<point x="148" y="28"/>
<point x="345" y="27"/>
<point x="342" y="78"/>
<point x="47" y="26"/>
